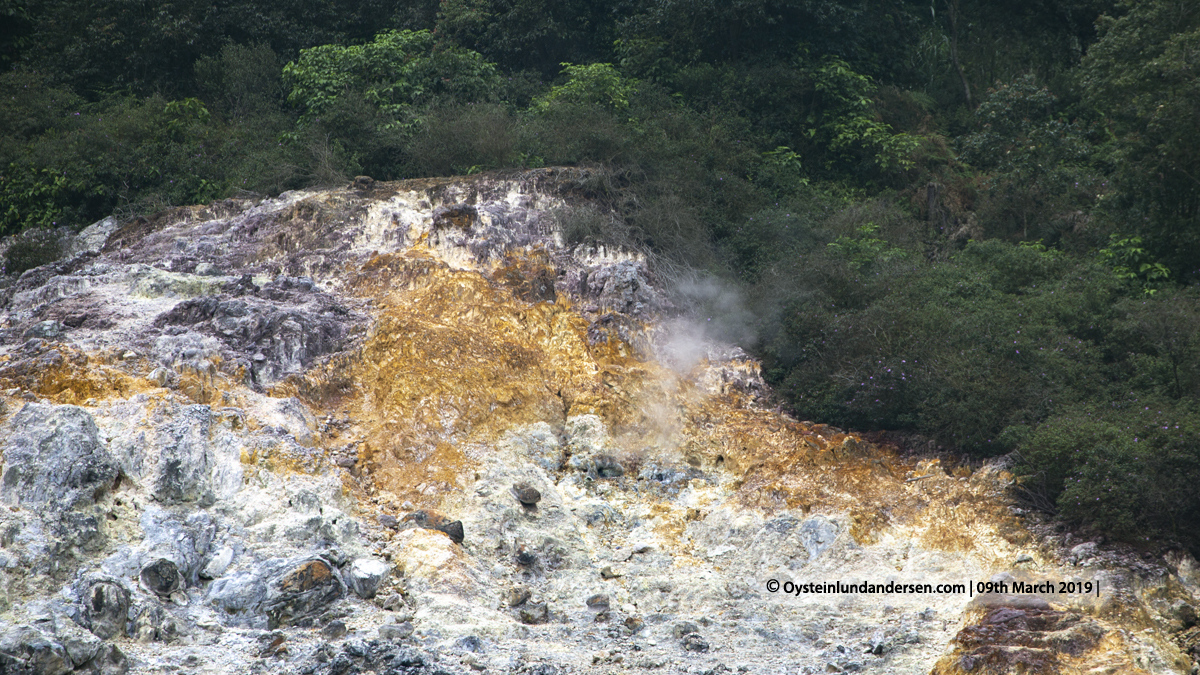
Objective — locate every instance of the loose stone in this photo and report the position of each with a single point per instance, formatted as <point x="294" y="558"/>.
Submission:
<point x="526" y="494"/>
<point x="334" y="630"/>
<point x="534" y="613"/>
<point x="161" y="577"/>
<point x="395" y="631"/>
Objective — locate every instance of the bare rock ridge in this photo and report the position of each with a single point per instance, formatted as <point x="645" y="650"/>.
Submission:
<point x="404" y="428"/>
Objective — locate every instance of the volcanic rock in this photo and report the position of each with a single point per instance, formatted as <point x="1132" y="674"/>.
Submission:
<point x="364" y="575"/>
<point x="161" y="577"/>
<point x="395" y="631"/>
<point x="302" y="590"/>
<point x="526" y="494"/>
<point x="204" y="413"/>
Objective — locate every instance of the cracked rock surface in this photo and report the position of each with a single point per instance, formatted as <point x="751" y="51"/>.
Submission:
<point x="403" y="428"/>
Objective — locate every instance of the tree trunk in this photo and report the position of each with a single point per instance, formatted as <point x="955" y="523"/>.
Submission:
<point x="952" y="6"/>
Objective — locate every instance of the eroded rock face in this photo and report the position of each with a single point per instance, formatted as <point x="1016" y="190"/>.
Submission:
<point x="401" y="428"/>
<point x="1022" y="640"/>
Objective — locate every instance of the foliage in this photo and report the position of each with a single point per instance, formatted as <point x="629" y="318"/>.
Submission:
<point x="395" y="72"/>
<point x="998" y="337"/>
<point x="30" y="198"/>
<point x="32" y="248"/>
<point x="148" y="48"/>
<point x="533" y="35"/>
<point x="597" y="84"/>
<point x="457" y="140"/>
<point x="864" y="249"/>
<point x="1141" y="76"/>
<point x="846" y="122"/>
<point x="241" y="81"/>
<point x="1035" y="163"/>
<point x="1132" y="263"/>
<point x="1126" y="469"/>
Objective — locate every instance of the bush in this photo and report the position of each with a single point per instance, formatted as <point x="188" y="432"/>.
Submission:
<point x="1001" y="336"/>
<point x="31" y="197"/>
<point x="458" y="140"/>
<point x="588" y="225"/>
<point x="30" y="249"/>
<point x="395" y="72"/>
<point x="1128" y="469"/>
<point x="241" y="81"/>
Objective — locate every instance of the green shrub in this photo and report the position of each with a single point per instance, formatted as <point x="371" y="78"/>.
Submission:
<point x="32" y="248"/>
<point x="1001" y="336"/>
<point x="241" y="81"/>
<point x="596" y="84"/>
<point x="30" y="197"/>
<point x="395" y="72"/>
<point x="1128" y="469"/>
<point x="588" y="225"/>
<point x="464" y="139"/>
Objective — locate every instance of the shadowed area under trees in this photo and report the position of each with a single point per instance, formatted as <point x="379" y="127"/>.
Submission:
<point x="977" y="222"/>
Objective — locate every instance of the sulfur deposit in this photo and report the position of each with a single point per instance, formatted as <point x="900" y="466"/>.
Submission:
<point x="406" y="428"/>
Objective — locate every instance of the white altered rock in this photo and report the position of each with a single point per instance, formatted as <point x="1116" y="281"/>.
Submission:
<point x="217" y="565"/>
<point x="239" y="490"/>
<point x="364" y="576"/>
<point x="93" y="237"/>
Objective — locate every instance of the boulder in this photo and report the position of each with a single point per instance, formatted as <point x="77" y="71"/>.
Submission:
<point x="53" y="458"/>
<point x="526" y="494"/>
<point x="24" y="650"/>
<point x="395" y="631"/>
<point x="431" y="520"/>
<point x="154" y="624"/>
<point x="161" y="577"/>
<point x="182" y="472"/>
<point x="533" y="613"/>
<point x="81" y="646"/>
<point x="217" y="564"/>
<point x="106" y="609"/>
<point x="301" y="591"/>
<point x="334" y="630"/>
<point x="240" y="595"/>
<point x="364" y="575"/>
<point x="817" y="534"/>
<point x="692" y="642"/>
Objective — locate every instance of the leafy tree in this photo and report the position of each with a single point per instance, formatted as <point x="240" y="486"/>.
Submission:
<point x="597" y="84"/>
<point x="1141" y="75"/>
<point x="685" y="33"/>
<point x="1037" y="164"/>
<point x="846" y="123"/>
<point x="242" y="81"/>
<point x="31" y="197"/>
<point x="396" y="72"/>
<point x="15" y="25"/>
<point x="150" y="46"/>
<point x="536" y="35"/>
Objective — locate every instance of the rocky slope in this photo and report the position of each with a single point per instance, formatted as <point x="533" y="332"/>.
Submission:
<point x="402" y="428"/>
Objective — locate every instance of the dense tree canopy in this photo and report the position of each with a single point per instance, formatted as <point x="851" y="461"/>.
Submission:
<point x="974" y="221"/>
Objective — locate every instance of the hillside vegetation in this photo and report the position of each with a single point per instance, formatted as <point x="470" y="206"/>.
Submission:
<point x="975" y="221"/>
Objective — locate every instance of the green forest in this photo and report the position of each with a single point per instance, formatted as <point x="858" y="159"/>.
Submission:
<point x="976" y="222"/>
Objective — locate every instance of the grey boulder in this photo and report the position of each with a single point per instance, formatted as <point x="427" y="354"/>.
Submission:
<point x="161" y="577"/>
<point x="395" y="631"/>
<point x="24" y="650"/>
<point x="297" y="594"/>
<point x="53" y="458"/>
<point x="105" y="609"/>
<point x="364" y="575"/>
